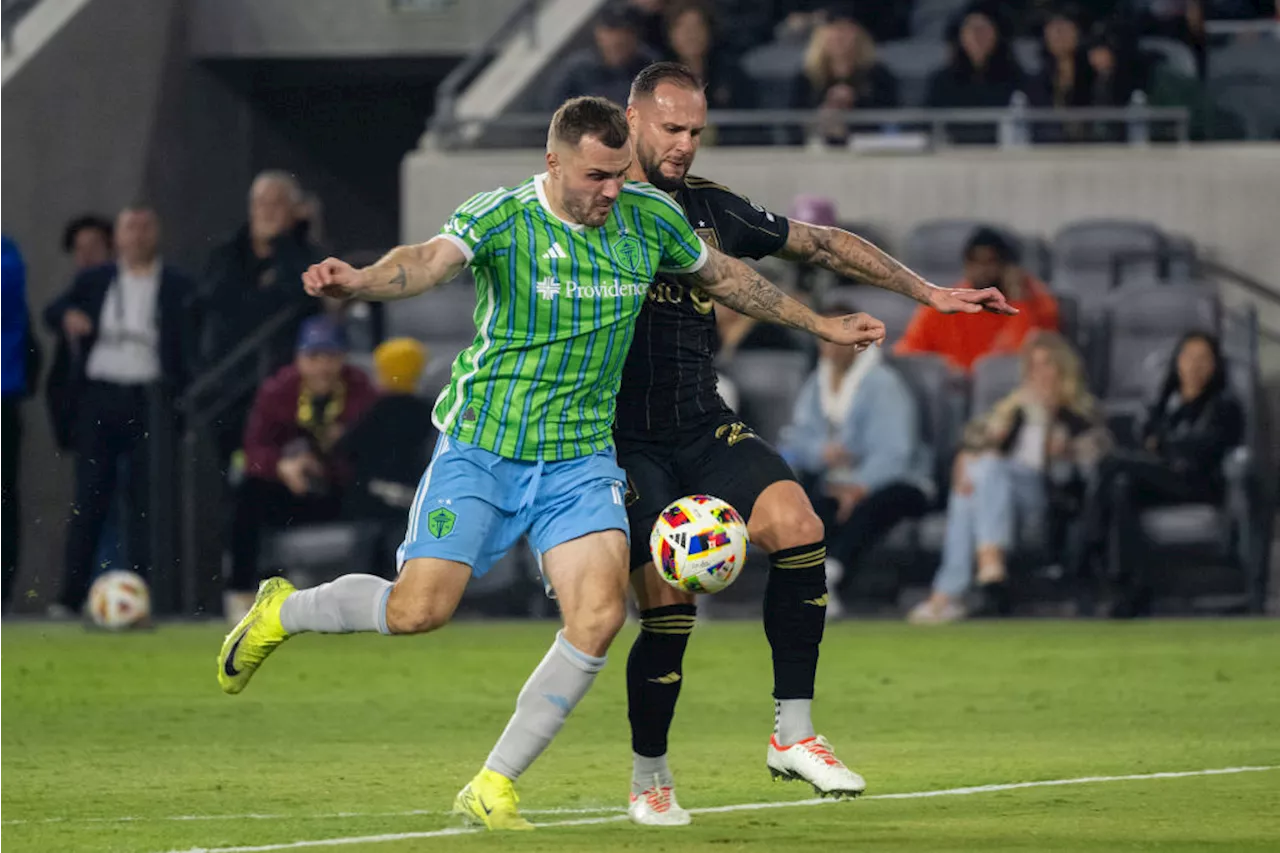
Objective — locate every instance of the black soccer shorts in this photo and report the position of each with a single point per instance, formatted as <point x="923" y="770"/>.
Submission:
<point x="718" y="456"/>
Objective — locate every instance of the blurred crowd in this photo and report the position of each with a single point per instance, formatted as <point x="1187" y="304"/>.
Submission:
<point x="1034" y="53"/>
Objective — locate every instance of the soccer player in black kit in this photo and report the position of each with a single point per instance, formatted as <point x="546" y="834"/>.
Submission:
<point x="675" y="436"/>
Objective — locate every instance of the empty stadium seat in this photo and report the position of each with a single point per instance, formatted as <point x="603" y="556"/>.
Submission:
<point x="994" y="377"/>
<point x="1143" y="327"/>
<point x="768" y="383"/>
<point x="1174" y="55"/>
<point x="912" y="61"/>
<point x="935" y="248"/>
<point x="1029" y="54"/>
<point x="443" y="313"/>
<point x="1084" y="252"/>
<point x="1242" y="78"/>
<point x="931" y="18"/>
<point x="773" y="67"/>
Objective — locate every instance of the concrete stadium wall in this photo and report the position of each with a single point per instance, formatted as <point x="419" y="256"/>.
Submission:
<point x="341" y="28"/>
<point x="1226" y="197"/>
<point x="107" y="112"/>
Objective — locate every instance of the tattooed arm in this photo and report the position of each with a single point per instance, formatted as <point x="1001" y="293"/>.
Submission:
<point x="403" y="272"/>
<point x="853" y="257"/>
<point x="735" y="285"/>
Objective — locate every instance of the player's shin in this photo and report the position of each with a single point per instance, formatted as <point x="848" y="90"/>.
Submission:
<point x="795" y="604"/>
<point x="655" y="672"/>
<point x="343" y="606"/>
<point x="556" y="686"/>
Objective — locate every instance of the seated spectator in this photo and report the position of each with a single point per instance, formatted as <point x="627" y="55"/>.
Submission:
<point x="651" y="22"/>
<point x="19" y="370"/>
<point x="121" y="351"/>
<point x="982" y="73"/>
<point x="88" y="240"/>
<point x="841" y="73"/>
<point x="1066" y="76"/>
<point x="989" y="261"/>
<point x="855" y="441"/>
<point x="293" y="475"/>
<point x="1189" y="430"/>
<point x="689" y="41"/>
<point x="1026" y="458"/>
<point x="252" y="277"/>
<point x="390" y="446"/>
<point x="607" y="68"/>
<point x="884" y="21"/>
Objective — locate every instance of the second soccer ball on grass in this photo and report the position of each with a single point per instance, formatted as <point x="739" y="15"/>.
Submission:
<point x="699" y="544"/>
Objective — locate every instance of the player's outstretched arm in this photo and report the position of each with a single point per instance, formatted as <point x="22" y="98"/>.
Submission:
<point x="853" y="257"/>
<point x="734" y="284"/>
<point x="403" y="272"/>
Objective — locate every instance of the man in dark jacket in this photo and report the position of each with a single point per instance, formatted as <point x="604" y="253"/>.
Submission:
<point x="252" y="277"/>
<point x="122" y="348"/>
<point x="17" y="367"/>
<point x="607" y="68"/>
<point x="295" y="473"/>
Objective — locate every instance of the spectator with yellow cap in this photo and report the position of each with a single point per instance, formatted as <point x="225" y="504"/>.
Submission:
<point x="392" y="443"/>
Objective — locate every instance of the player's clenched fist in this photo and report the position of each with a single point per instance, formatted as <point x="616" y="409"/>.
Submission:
<point x="333" y="278"/>
<point x="860" y="330"/>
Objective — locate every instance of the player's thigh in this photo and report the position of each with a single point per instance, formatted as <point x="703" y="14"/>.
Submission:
<point x="729" y="461"/>
<point x="652" y="484"/>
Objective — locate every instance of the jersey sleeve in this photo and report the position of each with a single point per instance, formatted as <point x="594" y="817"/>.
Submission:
<point x="682" y="249"/>
<point x="480" y="225"/>
<point x="747" y="230"/>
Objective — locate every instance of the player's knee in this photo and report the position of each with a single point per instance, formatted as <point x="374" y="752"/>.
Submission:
<point x="416" y="615"/>
<point x="789" y="528"/>
<point x="592" y="630"/>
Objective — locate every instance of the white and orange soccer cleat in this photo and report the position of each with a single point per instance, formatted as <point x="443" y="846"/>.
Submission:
<point x="812" y="761"/>
<point x="657" y="806"/>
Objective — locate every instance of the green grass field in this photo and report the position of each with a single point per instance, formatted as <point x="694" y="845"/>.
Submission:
<point x="341" y="737"/>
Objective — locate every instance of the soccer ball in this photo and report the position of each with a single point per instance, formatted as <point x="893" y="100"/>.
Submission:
<point x="119" y="600"/>
<point x="699" y="544"/>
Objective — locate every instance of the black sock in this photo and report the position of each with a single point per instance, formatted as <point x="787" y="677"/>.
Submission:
<point x="654" y="674"/>
<point x="795" y="613"/>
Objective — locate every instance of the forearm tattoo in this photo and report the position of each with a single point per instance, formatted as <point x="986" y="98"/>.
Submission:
<point x="851" y="256"/>
<point x="400" y="278"/>
<point x="736" y="285"/>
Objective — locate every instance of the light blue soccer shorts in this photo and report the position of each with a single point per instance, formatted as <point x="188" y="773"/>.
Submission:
<point x="473" y="505"/>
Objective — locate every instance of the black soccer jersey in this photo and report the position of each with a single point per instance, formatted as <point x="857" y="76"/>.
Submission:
<point x="669" y="379"/>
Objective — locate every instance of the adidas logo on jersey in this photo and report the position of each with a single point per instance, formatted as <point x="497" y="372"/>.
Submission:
<point x="555" y="253"/>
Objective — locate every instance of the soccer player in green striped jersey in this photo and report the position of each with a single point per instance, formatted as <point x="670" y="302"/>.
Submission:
<point x="562" y="265"/>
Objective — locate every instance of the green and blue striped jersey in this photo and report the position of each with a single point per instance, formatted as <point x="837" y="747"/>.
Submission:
<point x="556" y="305"/>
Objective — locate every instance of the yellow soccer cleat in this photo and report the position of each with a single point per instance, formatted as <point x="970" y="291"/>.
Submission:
<point x="257" y="636"/>
<point x="490" y="799"/>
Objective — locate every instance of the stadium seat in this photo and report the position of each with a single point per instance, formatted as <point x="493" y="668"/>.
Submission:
<point x="871" y="233"/>
<point x="931" y="18"/>
<point x="773" y="67"/>
<point x="1029" y="54"/>
<point x="1242" y="77"/>
<point x="892" y="309"/>
<point x="1174" y="55"/>
<point x="768" y="382"/>
<point x="444" y="313"/>
<point x="935" y="248"/>
<point x="994" y="377"/>
<point x="1143" y="327"/>
<point x="912" y="61"/>
<point x="1084" y="251"/>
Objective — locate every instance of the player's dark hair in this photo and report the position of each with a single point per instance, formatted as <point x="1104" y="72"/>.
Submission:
<point x="990" y="238"/>
<point x="652" y="76"/>
<point x="590" y="116"/>
<point x="89" y="221"/>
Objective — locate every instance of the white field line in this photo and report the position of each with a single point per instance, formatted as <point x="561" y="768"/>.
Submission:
<point x="740" y="807"/>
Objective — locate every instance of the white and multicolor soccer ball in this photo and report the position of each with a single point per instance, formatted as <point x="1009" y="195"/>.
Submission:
<point x="699" y="544"/>
<point x="118" y="600"/>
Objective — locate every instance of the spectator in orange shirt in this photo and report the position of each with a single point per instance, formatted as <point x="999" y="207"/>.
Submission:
<point x="989" y="261"/>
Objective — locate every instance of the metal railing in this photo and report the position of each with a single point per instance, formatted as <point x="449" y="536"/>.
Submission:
<point x="1014" y="125"/>
<point x="520" y="20"/>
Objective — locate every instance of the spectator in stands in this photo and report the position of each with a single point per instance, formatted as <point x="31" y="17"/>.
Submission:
<point x="856" y="441"/>
<point x="1192" y="426"/>
<point x="87" y="239"/>
<point x="390" y="446"/>
<point x="1026" y="458"/>
<point x="690" y="41"/>
<point x="982" y="73"/>
<point x="884" y="21"/>
<point x="293" y="474"/>
<point x="18" y="370"/>
<point x="1180" y="20"/>
<point x="1066" y="76"/>
<point x="126" y="326"/>
<point x="651" y="17"/>
<point x="841" y="73"/>
<point x="607" y="68"/>
<point x="990" y="260"/>
<point x="252" y="277"/>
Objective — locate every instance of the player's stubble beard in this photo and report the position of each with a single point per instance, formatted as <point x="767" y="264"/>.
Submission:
<point x="652" y="165"/>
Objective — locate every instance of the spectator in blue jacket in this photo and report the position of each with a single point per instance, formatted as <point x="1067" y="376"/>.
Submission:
<point x="16" y="363"/>
<point x="855" y="440"/>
